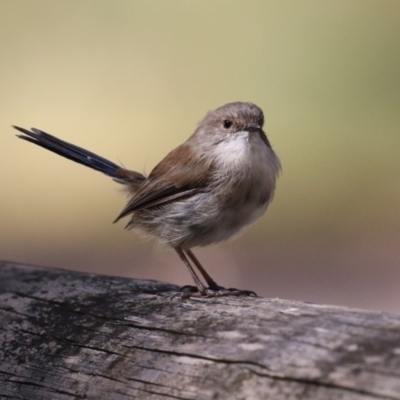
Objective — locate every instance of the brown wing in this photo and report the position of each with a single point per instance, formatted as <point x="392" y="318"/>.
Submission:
<point x="179" y="175"/>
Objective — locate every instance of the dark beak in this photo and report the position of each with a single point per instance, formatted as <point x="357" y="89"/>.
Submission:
<point x="252" y="127"/>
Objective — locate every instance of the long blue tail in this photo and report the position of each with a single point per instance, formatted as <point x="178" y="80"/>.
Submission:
<point x="69" y="151"/>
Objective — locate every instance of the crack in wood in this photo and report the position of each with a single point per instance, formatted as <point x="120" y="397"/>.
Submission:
<point x="47" y="388"/>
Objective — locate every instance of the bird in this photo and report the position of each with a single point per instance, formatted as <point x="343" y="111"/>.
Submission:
<point x="205" y="191"/>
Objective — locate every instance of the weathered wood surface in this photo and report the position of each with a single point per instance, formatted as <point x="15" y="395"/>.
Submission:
<point x="67" y="335"/>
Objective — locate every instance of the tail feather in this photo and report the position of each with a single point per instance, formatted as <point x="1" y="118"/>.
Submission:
<point x="78" y="155"/>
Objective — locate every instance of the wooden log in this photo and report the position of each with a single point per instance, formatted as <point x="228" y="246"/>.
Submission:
<point x="69" y="335"/>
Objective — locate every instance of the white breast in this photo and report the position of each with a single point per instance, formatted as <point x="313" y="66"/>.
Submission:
<point x="245" y="177"/>
<point x="244" y="157"/>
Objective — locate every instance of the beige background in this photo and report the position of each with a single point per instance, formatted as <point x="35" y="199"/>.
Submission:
<point x="130" y="79"/>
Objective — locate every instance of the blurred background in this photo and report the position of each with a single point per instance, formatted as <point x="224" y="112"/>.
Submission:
<point x="130" y="80"/>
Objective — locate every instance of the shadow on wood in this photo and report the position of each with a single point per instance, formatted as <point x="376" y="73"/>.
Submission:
<point x="69" y="335"/>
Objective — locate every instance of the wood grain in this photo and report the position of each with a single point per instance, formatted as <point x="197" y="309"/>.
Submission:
<point x="69" y="335"/>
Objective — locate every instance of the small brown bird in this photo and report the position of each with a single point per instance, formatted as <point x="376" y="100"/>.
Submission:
<point x="203" y="192"/>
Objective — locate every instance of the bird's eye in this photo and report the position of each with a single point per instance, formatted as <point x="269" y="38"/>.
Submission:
<point x="227" y="123"/>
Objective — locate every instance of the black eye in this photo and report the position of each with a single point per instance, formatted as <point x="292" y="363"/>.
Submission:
<point x="227" y="123"/>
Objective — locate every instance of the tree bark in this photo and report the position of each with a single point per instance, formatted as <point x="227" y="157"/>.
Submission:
<point x="69" y="335"/>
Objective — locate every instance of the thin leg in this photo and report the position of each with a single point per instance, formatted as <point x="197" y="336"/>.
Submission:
<point x="200" y="287"/>
<point x="210" y="281"/>
<point x="213" y="290"/>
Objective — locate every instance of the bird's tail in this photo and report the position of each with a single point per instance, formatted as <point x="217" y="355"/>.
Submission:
<point x="79" y="155"/>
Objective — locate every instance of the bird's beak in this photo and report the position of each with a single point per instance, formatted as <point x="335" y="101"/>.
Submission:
<point x="252" y="127"/>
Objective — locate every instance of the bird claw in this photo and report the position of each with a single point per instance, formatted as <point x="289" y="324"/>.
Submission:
<point x="188" y="291"/>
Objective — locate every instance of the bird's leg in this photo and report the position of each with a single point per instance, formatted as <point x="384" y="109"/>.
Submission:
<point x="199" y="284"/>
<point x="213" y="290"/>
<point x="210" y="281"/>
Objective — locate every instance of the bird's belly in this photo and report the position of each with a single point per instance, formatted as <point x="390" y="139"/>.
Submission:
<point x="227" y="224"/>
<point x="200" y="220"/>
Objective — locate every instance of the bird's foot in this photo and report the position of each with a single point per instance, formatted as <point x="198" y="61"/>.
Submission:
<point x="214" y="291"/>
